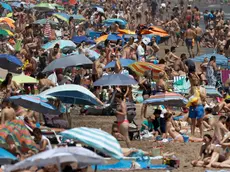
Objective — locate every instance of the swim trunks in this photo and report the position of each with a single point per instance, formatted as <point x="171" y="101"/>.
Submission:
<point x="188" y="42"/>
<point x="196" y="112"/>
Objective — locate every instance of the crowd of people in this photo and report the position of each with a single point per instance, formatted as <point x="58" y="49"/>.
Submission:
<point x="182" y="23"/>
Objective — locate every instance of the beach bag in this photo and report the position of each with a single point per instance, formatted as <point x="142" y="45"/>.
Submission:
<point x="146" y="135"/>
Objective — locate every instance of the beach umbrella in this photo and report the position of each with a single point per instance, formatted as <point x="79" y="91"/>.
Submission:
<point x="126" y="31"/>
<point x="167" y="99"/>
<point x="6" y="157"/>
<point x="35" y="103"/>
<point x="96" y="138"/>
<point x="6" y="32"/>
<point x="82" y="156"/>
<point x="123" y="62"/>
<point x="44" y="21"/>
<point x="62" y="44"/>
<point x="140" y="67"/>
<point x="71" y="94"/>
<point x="65" y="17"/>
<point x="6" y="6"/>
<point x="147" y="31"/>
<point x="7" y="19"/>
<point x="16" y="132"/>
<point x="47" y="7"/>
<point x="114" y="80"/>
<point x="68" y="61"/>
<point x="157" y="29"/>
<point x="110" y="37"/>
<point x="9" y="62"/>
<point x="220" y="59"/>
<point x="24" y="4"/>
<point x="80" y="39"/>
<point x="23" y="79"/>
<point x="113" y="20"/>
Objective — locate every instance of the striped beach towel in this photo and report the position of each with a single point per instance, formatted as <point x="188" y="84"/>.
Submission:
<point x="180" y="84"/>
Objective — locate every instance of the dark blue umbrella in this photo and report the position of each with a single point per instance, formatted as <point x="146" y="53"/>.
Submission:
<point x="6" y="157"/>
<point x="124" y="63"/>
<point x="80" y="39"/>
<point x="115" y="79"/>
<point x="9" y="62"/>
<point x="114" y="37"/>
<point x="220" y="59"/>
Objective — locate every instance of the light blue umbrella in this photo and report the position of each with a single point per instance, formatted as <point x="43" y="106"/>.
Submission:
<point x="6" y="6"/>
<point x="44" y="21"/>
<point x="62" y="44"/>
<point x="96" y="138"/>
<point x="114" y="80"/>
<point x="113" y="20"/>
<point x="25" y="5"/>
<point x="35" y="103"/>
<point x="124" y="63"/>
<point x="6" y="157"/>
<point x="72" y="94"/>
<point x="220" y="59"/>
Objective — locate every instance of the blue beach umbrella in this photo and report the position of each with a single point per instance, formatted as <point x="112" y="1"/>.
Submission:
<point x="115" y="80"/>
<point x="80" y="39"/>
<point x="124" y="63"/>
<point x="72" y="94"/>
<point x="220" y="59"/>
<point x="6" y="157"/>
<point x="113" y="20"/>
<point x="6" y="6"/>
<point x="35" y="103"/>
<point x="96" y="138"/>
<point x="62" y="44"/>
<point x="10" y="63"/>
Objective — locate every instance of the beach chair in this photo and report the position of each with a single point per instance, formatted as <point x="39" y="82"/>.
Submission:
<point x="50" y="134"/>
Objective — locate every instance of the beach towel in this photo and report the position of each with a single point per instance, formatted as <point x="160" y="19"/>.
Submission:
<point x="124" y="165"/>
<point x="181" y="85"/>
<point x="225" y="75"/>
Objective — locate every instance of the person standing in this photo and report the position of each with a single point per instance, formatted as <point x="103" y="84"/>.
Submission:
<point x="189" y="36"/>
<point x="211" y="72"/>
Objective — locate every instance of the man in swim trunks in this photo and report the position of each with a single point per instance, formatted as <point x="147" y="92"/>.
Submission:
<point x="189" y="36"/>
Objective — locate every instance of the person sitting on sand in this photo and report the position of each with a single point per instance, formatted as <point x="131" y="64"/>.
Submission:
<point x="171" y="131"/>
<point x="8" y="113"/>
<point x="206" y="151"/>
<point x="219" y="130"/>
<point x="208" y="120"/>
<point x="43" y="141"/>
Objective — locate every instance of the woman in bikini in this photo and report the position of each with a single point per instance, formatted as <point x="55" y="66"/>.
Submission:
<point x="9" y="87"/>
<point x="206" y="151"/>
<point x="172" y="132"/>
<point x="122" y="120"/>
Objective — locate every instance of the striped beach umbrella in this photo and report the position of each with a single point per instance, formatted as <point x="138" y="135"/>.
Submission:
<point x="140" y="67"/>
<point x="18" y="133"/>
<point x="96" y="138"/>
<point x="167" y="99"/>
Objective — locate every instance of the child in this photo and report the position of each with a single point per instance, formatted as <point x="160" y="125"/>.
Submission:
<point x="208" y="120"/>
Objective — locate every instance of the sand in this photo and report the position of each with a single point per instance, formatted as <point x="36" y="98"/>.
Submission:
<point x="186" y="152"/>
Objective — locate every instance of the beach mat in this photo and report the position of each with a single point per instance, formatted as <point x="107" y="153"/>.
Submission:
<point x="125" y="165"/>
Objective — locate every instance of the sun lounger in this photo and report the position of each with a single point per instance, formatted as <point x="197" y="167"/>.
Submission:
<point x="50" y="134"/>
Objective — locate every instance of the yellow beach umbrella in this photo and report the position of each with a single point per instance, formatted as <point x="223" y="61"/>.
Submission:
<point x="23" y="79"/>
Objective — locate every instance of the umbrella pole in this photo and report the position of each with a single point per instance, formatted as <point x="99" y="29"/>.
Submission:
<point x="59" y="165"/>
<point x="95" y="169"/>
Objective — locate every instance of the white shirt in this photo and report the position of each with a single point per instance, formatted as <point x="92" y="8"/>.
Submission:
<point x="140" y="51"/>
<point x="48" y="146"/>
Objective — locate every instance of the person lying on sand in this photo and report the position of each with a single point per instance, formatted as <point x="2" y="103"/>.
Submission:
<point x="171" y="131"/>
<point x="206" y="151"/>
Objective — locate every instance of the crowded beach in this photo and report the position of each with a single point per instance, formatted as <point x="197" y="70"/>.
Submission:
<point x="114" y="85"/>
